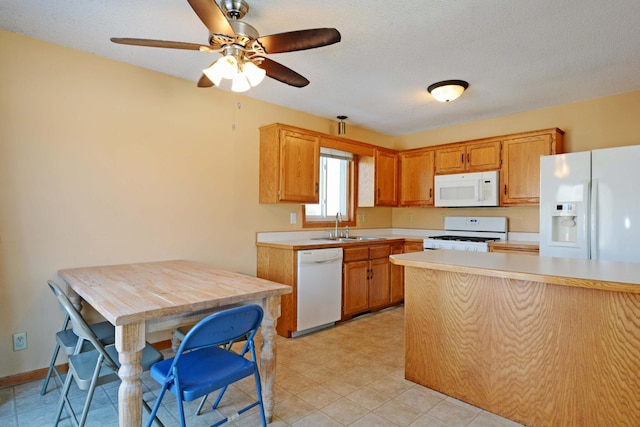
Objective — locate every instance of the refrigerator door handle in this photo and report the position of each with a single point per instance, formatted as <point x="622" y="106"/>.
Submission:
<point x="593" y="220"/>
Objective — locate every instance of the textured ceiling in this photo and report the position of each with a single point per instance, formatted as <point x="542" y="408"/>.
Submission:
<point x="517" y="55"/>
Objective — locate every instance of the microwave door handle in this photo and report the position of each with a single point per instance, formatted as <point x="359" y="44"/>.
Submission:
<point x="479" y="190"/>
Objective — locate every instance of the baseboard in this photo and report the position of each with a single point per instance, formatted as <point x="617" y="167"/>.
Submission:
<point x="39" y="374"/>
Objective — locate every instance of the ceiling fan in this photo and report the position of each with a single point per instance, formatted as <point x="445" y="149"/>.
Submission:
<point x="243" y="49"/>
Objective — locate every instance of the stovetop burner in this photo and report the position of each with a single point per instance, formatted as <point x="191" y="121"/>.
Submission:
<point x="465" y="238"/>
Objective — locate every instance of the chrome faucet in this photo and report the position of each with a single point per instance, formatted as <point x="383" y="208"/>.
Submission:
<point x="338" y="219"/>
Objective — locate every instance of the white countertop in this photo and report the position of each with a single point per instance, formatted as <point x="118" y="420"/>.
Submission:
<point x="606" y="275"/>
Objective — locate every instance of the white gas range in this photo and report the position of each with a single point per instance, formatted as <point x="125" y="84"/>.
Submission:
<point x="464" y="233"/>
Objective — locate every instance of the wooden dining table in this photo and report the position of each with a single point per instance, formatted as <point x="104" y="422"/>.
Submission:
<point x="142" y="298"/>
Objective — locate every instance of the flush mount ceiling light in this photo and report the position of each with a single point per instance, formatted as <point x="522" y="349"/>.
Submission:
<point x="447" y="90"/>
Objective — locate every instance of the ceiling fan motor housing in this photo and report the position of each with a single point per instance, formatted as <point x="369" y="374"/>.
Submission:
<point x="234" y="9"/>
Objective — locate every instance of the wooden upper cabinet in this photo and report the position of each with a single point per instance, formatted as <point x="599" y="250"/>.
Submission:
<point x="299" y="167"/>
<point x="289" y="165"/>
<point x="416" y="177"/>
<point x="483" y="156"/>
<point x="520" y="173"/>
<point x="450" y="160"/>
<point x="386" y="178"/>
<point x="468" y="157"/>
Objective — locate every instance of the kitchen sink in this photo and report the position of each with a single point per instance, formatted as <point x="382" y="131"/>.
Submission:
<point x="349" y="239"/>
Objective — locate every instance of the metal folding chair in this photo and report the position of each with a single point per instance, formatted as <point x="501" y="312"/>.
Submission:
<point x="67" y="340"/>
<point x="201" y="366"/>
<point x="92" y="368"/>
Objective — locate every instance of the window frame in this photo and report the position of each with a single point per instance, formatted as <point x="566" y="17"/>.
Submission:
<point x="350" y="220"/>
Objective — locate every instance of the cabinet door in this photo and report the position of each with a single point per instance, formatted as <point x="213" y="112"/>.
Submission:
<point x="397" y="276"/>
<point x="505" y="250"/>
<point x="416" y="178"/>
<point x="483" y="156"/>
<point x="413" y="247"/>
<point x="386" y="173"/>
<point x="355" y="292"/>
<point x="299" y="167"/>
<point x="450" y="160"/>
<point x="379" y="283"/>
<point x="520" y="174"/>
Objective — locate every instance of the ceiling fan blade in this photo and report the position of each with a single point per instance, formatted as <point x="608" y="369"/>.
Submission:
<point x="283" y="74"/>
<point x="212" y="17"/>
<point x="205" y="82"/>
<point x="299" y="40"/>
<point x="161" y="43"/>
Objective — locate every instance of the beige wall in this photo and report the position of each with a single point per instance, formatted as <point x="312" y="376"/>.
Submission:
<point x="598" y="123"/>
<point x="102" y="162"/>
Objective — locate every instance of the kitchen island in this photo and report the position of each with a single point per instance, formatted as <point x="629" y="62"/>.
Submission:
<point x="540" y="340"/>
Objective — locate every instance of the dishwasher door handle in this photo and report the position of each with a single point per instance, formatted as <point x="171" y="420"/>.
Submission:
<point x="327" y="261"/>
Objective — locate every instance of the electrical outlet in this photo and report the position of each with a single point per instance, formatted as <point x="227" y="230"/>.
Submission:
<point x="410" y="217"/>
<point x="19" y="341"/>
<point x="293" y="218"/>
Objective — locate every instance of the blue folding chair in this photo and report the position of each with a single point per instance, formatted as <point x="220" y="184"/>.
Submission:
<point x="201" y="366"/>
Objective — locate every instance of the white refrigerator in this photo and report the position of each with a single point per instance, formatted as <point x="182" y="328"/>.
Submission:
<point x="590" y="204"/>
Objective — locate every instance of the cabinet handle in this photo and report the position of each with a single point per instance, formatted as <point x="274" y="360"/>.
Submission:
<point x="468" y="157"/>
<point x="430" y="192"/>
<point x="317" y="188"/>
<point x="462" y="158"/>
<point x="505" y="189"/>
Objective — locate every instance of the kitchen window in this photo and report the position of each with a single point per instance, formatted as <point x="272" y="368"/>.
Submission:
<point x="336" y="190"/>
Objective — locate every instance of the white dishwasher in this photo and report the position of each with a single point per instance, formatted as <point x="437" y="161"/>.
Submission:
<point x="319" y="289"/>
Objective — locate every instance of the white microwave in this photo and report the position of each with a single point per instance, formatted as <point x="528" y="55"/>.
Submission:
<point x="467" y="189"/>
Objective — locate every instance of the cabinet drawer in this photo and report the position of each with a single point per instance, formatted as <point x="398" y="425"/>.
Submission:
<point x="355" y="254"/>
<point x="379" y="251"/>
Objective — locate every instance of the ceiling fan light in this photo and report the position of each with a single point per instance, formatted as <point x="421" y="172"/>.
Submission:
<point x="240" y="83"/>
<point x="228" y="66"/>
<point x="447" y="90"/>
<point x="213" y="73"/>
<point x="254" y="74"/>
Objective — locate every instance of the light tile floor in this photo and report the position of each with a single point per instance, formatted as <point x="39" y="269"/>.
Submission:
<point x="349" y="375"/>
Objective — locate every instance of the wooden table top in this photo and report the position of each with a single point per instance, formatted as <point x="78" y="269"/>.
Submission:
<point x="130" y="293"/>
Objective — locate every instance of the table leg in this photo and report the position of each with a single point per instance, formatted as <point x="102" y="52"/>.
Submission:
<point x="74" y="298"/>
<point x="130" y="340"/>
<point x="271" y="308"/>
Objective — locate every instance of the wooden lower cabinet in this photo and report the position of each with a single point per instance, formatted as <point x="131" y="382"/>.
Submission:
<point x="366" y="279"/>
<point x="369" y="280"/>
<point x="280" y="265"/>
<point x="514" y="248"/>
<point x="379" y="283"/>
<point x="397" y="271"/>
<point x="355" y="287"/>
<point x="397" y="276"/>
